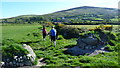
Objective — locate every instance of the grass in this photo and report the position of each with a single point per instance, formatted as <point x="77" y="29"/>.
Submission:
<point x="116" y="19"/>
<point x="18" y="32"/>
<point x="89" y="26"/>
<point x="54" y="56"/>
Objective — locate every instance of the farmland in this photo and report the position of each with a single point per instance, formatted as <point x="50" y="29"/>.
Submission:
<point x="55" y="56"/>
<point x="89" y="26"/>
<point x="17" y="32"/>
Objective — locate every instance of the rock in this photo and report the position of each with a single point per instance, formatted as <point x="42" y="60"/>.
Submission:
<point x="15" y="57"/>
<point x="84" y="45"/>
<point x="90" y="41"/>
<point x="75" y="51"/>
<point x="31" y="54"/>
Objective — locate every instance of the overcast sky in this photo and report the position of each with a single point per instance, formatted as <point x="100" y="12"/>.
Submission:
<point x="12" y="8"/>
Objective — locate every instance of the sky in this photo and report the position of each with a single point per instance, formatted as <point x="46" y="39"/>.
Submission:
<point x="12" y="8"/>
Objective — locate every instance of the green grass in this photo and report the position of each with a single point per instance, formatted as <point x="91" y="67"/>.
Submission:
<point x="116" y="19"/>
<point x="18" y="32"/>
<point x="54" y="56"/>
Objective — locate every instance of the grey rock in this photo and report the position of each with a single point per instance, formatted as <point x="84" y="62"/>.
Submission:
<point x="84" y="45"/>
<point x="75" y="51"/>
<point x="90" y="41"/>
<point x="31" y="54"/>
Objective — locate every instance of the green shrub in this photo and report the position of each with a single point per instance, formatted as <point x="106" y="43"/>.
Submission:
<point x="69" y="32"/>
<point x="13" y="50"/>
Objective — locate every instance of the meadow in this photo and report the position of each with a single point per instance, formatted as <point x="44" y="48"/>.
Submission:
<point x="17" y="32"/>
<point x="54" y="56"/>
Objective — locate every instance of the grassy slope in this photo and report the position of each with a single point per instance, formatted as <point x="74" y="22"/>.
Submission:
<point x="54" y="56"/>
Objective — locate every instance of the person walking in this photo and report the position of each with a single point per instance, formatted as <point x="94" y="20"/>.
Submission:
<point x="53" y="34"/>
<point x="44" y="32"/>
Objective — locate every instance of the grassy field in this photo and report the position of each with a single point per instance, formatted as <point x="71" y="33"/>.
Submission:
<point x="89" y="26"/>
<point x="17" y="32"/>
<point x="54" y="56"/>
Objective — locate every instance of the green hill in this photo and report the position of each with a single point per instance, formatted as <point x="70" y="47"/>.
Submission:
<point x="85" y="14"/>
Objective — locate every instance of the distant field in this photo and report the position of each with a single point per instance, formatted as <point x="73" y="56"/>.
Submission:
<point x="83" y="26"/>
<point x="89" y="26"/>
<point x="17" y="32"/>
<point x="116" y="19"/>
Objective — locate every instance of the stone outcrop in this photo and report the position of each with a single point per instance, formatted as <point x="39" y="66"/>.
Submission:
<point x="84" y="45"/>
<point x="19" y="61"/>
<point x="31" y="54"/>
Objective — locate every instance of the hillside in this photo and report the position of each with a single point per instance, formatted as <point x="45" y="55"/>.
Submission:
<point x="85" y="14"/>
<point x="86" y="10"/>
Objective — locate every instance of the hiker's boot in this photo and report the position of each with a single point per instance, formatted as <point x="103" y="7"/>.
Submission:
<point x="44" y="39"/>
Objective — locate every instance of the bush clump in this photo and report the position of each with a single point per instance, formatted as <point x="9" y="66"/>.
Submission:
<point x="69" y="32"/>
<point x="13" y="50"/>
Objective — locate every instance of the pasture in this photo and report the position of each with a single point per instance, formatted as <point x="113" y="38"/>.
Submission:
<point x="89" y="26"/>
<point x="17" y="32"/>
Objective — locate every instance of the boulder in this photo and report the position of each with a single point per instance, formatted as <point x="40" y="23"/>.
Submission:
<point x="84" y="45"/>
<point x="31" y="54"/>
<point x="75" y="51"/>
<point x="81" y="44"/>
<point x="90" y="41"/>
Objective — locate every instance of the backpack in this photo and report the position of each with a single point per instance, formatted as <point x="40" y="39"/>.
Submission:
<point x="44" y="31"/>
<point x="53" y="32"/>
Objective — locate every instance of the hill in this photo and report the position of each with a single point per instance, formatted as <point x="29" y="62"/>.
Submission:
<point x="85" y="14"/>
